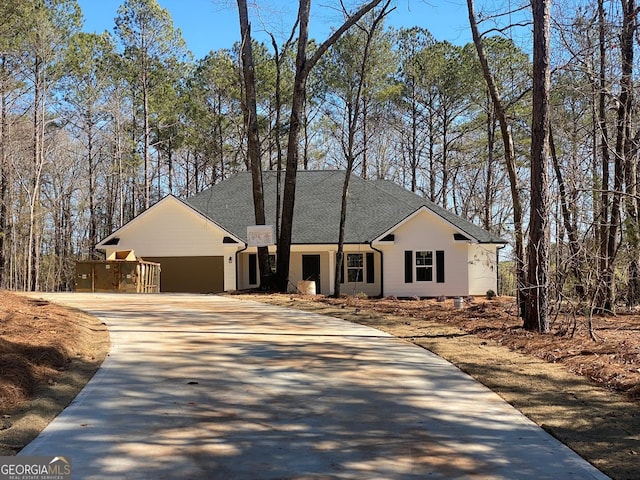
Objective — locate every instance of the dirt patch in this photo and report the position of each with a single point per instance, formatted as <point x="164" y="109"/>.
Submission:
<point x="582" y="391"/>
<point x="47" y="354"/>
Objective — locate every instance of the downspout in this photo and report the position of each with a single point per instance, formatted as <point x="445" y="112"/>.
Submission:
<point x="246" y="245"/>
<point x="381" y="268"/>
<point x="498" y="269"/>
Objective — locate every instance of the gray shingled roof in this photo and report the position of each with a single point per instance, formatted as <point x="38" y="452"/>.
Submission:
<point x="374" y="207"/>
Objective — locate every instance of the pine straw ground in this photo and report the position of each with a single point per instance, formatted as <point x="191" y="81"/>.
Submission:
<point x="47" y="354"/>
<point x="584" y="392"/>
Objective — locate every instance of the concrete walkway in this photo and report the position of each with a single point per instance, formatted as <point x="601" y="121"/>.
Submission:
<point x="207" y="387"/>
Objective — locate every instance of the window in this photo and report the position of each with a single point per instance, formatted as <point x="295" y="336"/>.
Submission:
<point x="358" y="267"/>
<point x="253" y="269"/>
<point x="355" y="267"/>
<point x="424" y="266"/>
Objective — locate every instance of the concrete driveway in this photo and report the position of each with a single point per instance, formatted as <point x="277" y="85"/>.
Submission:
<point x="207" y="387"/>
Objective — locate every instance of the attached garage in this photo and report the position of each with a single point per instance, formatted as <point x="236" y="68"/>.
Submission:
<point x="195" y="254"/>
<point x="191" y="274"/>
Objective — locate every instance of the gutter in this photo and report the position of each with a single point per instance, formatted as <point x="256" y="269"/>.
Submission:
<point x="381" y="268"/>
<point x="498" y="269"/>
<point x="246" y="245"/>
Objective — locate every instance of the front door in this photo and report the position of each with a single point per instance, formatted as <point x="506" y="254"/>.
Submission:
<point x="311" y="269"/>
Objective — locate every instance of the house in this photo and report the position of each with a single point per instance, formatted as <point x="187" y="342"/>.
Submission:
<point x="396" y="242"/>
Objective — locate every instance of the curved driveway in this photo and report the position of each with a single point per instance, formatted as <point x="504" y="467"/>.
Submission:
<point x="208" y="387"/>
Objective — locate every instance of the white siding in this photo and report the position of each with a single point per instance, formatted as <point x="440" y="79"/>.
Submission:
<point x="354" y="288"/>
<point x="172" y="229"/>
<point x="230" y="268"/>
<point x="426" y="231"/>
<point x="327" y="269"/>
<point x="483" y="269"/>
<point x="295" y="269"/>
<point x="327" y="255"/>
<point x="243" y="267"/>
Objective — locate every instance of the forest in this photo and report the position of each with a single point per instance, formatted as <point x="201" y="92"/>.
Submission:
<point x="95" y="128"/>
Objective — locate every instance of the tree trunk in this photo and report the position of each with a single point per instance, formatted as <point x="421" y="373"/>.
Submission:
<point x="4" y="167"/>
<point x="147" y="136"/>
<point x="93" y="220"/>
<point x="353" y="112"/>
<point x="604" y="288"/>
<point x="445" y="161"/>
<point x="509" y="156"/>
<point x="491" y="141"/>
<point x="536" y="315"/>
<point x="623" y="150"/>
<point x="279" y="58"/>
<point x="37" y="154"/>
<point x="288" y="199"/>
<point x="572" y="232"/>
<point x="432" y="154"/>
<point x="303" y="67"/>
<point x="253" y="138"/>
<point x="413" y="154"/>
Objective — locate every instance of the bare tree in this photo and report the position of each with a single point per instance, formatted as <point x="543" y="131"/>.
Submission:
<point x="509" y="150"/>
<point x="303" y="66"/>
<point x="253" y="138"/>
<point x="146" y="30"/>
<point x="537" y="288"/>
<point x="624" y="148"/>
<point x="354" y="104"/>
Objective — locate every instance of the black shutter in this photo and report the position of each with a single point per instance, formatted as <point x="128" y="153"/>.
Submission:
<point x="440" y="266"/>
<point x="371" y="278"/>
<point x="408" y="266"/>
<point x="253" y="269"/>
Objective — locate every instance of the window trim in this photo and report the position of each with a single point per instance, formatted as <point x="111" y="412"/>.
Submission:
<point x="424" y="271"/>
<point x="359" y="269"/>
<point x="367" y="268"/>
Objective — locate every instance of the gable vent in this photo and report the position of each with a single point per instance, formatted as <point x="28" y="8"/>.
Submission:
<point x="459" y="236"/>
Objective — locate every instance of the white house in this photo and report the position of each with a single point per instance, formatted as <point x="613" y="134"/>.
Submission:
<point x="396" y="242"/>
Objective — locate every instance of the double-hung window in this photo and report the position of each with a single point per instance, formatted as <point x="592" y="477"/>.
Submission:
<point x="424" y="266"/>
<point x="420" y="265"/>
<point x="355" y="267"/>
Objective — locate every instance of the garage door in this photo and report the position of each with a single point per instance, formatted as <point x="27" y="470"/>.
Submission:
<point x="190" y="274"/>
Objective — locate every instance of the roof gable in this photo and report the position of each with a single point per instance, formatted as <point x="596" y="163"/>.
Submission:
<point x="416" y="213"/>
<point x="168" y="201"/>
<point x="474" y="232"/>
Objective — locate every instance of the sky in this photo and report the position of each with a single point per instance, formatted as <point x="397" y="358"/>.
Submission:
<point x="208" y="25"/>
